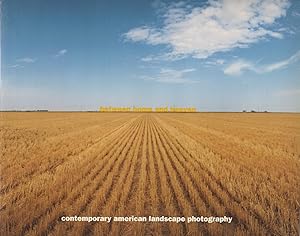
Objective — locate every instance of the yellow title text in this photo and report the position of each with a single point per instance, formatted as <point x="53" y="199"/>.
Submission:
<point x="147" y="109"/>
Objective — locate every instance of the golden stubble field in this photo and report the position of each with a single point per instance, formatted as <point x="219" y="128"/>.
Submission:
<point x="120" y="164"/>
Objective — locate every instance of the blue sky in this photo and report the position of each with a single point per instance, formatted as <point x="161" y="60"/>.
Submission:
<point x="215" y="55"/>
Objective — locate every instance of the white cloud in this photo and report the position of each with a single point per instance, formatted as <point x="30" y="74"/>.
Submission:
<point x="238" y="67"/>
<point x="295" y="14"/>
<point x="20" y="62"/>
<point x="218" y="26"/>
<point x="220" y="61"/>
<point x="215" y="62"/>
<point x="27" y="60"/>
<point x="148" y="58"/>
<point x="61" y="53"/>
<point x="16" y="66"/>
<point x="167" y="75"/>
<point x="138" y="34"/>
<point x="282" y="64"/>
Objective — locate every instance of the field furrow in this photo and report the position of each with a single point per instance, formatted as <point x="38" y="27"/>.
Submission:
<point x="90" y="180"/>
<point x="59" y="150"/>
<point x="101" y="187"/>
<point x="123" y="183"/>
<point x="235" y="173"/>
<point x="87" y="162"/>
<point x="213" y="193"/>
<point x="55" y="165"/>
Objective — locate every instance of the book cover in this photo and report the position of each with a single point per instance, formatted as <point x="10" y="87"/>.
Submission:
<point x="150" y="117"/>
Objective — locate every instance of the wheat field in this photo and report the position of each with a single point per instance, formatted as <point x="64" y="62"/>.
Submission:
<point x="243" y="165"/>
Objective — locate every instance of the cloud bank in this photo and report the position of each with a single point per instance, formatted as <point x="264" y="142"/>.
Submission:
<point x="218" y="26"/>
<point x="171" y="76"/>
<point x="61" y="53"/>
<point x="240" y="66"/>
<point x="27" y="60"/>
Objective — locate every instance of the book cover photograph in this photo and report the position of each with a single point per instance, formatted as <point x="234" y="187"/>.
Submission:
<point x="150" y="118"/>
